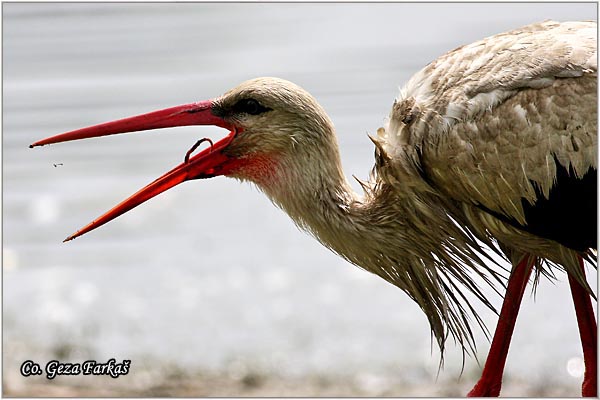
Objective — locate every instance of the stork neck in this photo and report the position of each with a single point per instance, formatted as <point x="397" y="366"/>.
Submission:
<point x="321" y="201"/>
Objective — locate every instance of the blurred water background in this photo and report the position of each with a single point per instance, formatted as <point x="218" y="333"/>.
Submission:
<point x="210" y="278"/>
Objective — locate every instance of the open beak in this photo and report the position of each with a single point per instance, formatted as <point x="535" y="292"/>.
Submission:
<point x="208" y="163"/>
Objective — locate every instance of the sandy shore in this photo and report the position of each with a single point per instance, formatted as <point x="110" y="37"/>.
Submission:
<point x="255" y="385"/>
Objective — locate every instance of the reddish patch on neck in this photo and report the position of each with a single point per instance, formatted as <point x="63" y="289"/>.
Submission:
<point x="260" y="169"/>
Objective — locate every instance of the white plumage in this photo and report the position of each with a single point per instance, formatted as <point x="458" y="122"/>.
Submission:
<point x="489" y="118"/>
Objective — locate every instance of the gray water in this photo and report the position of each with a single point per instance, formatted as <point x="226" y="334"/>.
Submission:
<point x="210" y="275"/>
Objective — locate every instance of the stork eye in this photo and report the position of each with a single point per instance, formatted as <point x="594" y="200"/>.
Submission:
<point x="250" y="106"/>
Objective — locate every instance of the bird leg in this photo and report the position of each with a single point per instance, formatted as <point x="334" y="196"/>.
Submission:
<point x="491" y="378"/>
<point x="587" y="333"/>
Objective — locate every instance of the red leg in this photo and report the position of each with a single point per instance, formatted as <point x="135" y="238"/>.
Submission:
<point x="491" y="378"/>
<point x="587" y="332"/>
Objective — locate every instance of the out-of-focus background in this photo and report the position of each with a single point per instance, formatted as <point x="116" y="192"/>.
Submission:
<point x="209" y="289"/>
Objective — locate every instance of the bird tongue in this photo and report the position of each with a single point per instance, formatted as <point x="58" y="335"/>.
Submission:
<point x="208" y="163"/>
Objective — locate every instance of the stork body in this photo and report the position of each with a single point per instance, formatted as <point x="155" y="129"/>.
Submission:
<point x="497" y="123"/>
<point x="494" y="143"/>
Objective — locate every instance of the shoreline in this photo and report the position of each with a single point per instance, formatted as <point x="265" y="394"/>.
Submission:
<point x="252" y="384"/>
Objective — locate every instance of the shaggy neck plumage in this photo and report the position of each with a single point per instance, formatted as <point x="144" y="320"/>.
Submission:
<point x="388" y="232"/>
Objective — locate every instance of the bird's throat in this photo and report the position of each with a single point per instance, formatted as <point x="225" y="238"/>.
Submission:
<point x="263" y="170"/>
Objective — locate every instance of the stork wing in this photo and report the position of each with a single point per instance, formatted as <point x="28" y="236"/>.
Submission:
<point x="508" y="125"/>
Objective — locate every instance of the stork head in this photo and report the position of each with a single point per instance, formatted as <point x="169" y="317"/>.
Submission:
<point x="272" y="123"/>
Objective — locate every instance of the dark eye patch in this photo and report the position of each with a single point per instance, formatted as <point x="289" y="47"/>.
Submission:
<point x="249" y="106"/>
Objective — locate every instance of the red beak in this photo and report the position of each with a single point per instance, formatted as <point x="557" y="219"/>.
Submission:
<point x="208" y="163"/>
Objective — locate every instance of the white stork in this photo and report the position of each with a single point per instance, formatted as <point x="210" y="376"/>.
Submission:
<point x="492" y="144"/>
